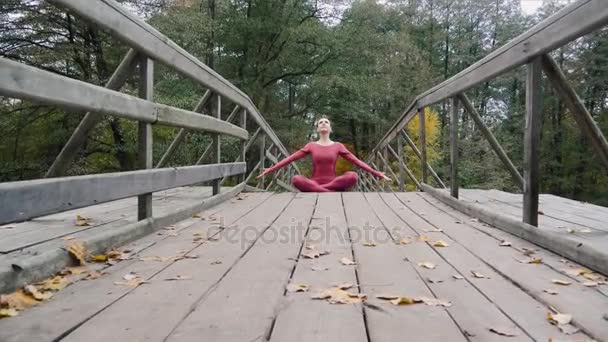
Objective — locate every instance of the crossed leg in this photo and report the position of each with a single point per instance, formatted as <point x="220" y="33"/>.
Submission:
<point x="340" y="183"/>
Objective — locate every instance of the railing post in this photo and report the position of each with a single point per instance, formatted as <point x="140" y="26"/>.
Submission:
<point x="146" y="88"/>
<point x="400" y="162"/>
<point x="386" y="184"/>
<point x="218" y="147"/>
<point x="454" y="147"/>
<point x="422" y="144"/>
<point x="262" y="159"/>
<point x="244" y="143"/>
<point x="532" y="141"/>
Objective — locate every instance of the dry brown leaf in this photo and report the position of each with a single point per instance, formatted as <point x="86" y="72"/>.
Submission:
<point x="404" y="241"/>
<point x="477" y="274"/>
<point x="53" y="284"/>
<point x="82" y="221"/>
<point x="216" y="262"/>
<point x="405" y="301"/>
<point x="94" y="275"/>
<point x="440" y="243"/>
<point x="79" y="251"/>
<point x="180" y="277"/>
<point x="503" y="332"/>
<point x="457" y="276"/>
<point x="551" y="291"/>
<point x="18" y="300"/>
<point x="291" y="287"/>
<point x="575" y="271"/>
<point x="335" y="295"/>
<point x="73" y="270"/>
<point x="591" y="276"/>
<point x="427" y="264"/>
<point x="99" y="258"/>
<point x="344" y="286"/>
<point x="531" y="261"/>
<point x="196" y="216"/>
<point x="561" y="282"/>
<point x="132" y="280"/>
<point x="8" y="313"/>
<point x="347" y="261"/>
<point x="311" y="254"/>
<point x="505" y="243"/>
<point x="68" y="238"/>
<point x="38" y="295"/>
<point x="369" y="244"/>
<point x="434" y="281"/>
<point x="424" y="238"/>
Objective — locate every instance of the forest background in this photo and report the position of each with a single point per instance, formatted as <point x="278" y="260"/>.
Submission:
<point x="359" y="62"/>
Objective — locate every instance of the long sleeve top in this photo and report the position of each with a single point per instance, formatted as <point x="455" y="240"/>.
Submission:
<point x="324" y="160"/>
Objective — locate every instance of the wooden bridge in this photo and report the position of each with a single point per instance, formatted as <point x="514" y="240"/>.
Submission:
<point x="183" y="261"/>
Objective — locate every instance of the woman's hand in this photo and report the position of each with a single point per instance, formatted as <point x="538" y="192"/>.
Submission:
<point x="385" y="177"/>
<point x="263" y="173"/>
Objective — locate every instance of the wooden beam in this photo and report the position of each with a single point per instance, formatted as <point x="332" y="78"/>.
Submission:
<point x="485" y="131"/>
<point x="28" y="199"/>
<point x="144" y="133"/>
<point x="454" y="147"/>
<point x="532" y="142"/>
<point x="135" y="32"/>
<point x="387" y="188"/>
<point x="407" y="170"/>
<point x="571" y="22"/>
<point x="244" y="144"/>
<point x="90" y="120"/>
<point x="410" y="142"/>
<point x="26" y="82"/>
<point x="262" y="160"/>
<point x="182" y="131"/>
<point x="253" y="171"/>
<point x="422" y="133"/>
<point x="400" y="163"/>
<point x="580" y="113"/>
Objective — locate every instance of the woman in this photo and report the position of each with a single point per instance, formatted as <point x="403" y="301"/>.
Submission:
<point x="324" y="153"/>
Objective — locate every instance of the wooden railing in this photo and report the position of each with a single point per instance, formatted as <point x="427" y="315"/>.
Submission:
<point x="28" y="199"/>
<point x="530" y="49"/>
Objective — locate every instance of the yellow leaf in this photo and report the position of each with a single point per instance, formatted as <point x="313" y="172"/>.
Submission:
<point x="440" y="243"/>
<point x="8" y="313"/>
<point x="196" y="216"/>
<point x="347" y="261"/>
<point x="94" y="275"/>
<point x="82" y="221"/>
<point x="560" y="282"/>
<point x="18" y="300"/>
<point x="335" y="295"/>
<point x="404" y="241"/>
<point x="99" y="258"/>
<point x="559" y="318"/>
<point x="68" y="238"/>
<point x="33" y="291"/>
<point x="297" y="287"/>
<point x="134" y="282"/>
<point x="53" y="284"/>
<point x="427" y="264"/>
<point x="423" y="238"/>
<point x="369" y="244"/>
<point x="405" y="301"/>
<point x="78" y="250"/>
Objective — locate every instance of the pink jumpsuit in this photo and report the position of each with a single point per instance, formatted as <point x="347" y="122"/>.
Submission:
<point x="324" y="177"/>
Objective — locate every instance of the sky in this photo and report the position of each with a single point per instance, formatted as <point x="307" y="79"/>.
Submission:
<point x="530" y="6"/>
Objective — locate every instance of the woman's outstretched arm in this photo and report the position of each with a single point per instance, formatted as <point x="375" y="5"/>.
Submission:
<point x="346" y="154"/>
<point x="299" y="154"/>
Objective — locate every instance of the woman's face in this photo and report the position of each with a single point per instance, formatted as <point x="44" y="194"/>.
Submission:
<point x="323" y="126"/>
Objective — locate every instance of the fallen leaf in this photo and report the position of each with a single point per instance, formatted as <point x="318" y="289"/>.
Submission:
<point x="405" y="301"/>
<point x="78" y="250"/>
<point x="575" y="271"/>
<point x="457" y="276"/>
<point x="39" y="295"/>
<point x="217" y="262"/>
<point x="82" y="221"/>
<point x="8" y="226"/>
<point x="505" y="243"/>
<point x="347" y="261"/>
<point x="344" y="286"/>
<point x="297" y="287"/>
<point x="591" y="276"/>
<point x="94" y="275"/>
<point x="310" y="247"/>
<point x="440" y="243"/>
<point x="318" y="268"/>
<point x="559" y="318"/>
<point x="560" y="282"/>
<point x="404" y="241"/>
<point x="424" y="238"/>
<point x="18" y="300"/>
<point x="8" y="313"/>
<point x="474" y="220"/>
<point x="335" y="295"/>
<point x="196" y="216"/>
<point x="369" y="244"/>
<point x="551" y="291"/>
<point x="68" y="238"/>
<point x="387" y="296"/>
<point x="427" y="264"/>
<point x="568" y="329"/>
<point x="527" y="251"/>
<point x="477" y="274"/>
<point x="590" y="283"/>
<point x="503" y="332"/>
<point x="434" y="281"/>
<point x="129" y="276"/>
<point x="99" y="258"/>
<point x="531" y="261"/>
<point x="435" y="302"/>
<point x="131" y="283"/>
<point x="180" y="277"/>
<point x="75" y="270"/>
<point x="53" y="284"/>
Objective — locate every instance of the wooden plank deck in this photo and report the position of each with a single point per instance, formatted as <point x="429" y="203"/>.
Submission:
<point x="237" y="277"/>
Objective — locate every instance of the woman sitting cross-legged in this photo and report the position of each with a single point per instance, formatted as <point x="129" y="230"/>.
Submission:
<point x="324" y="153"/>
